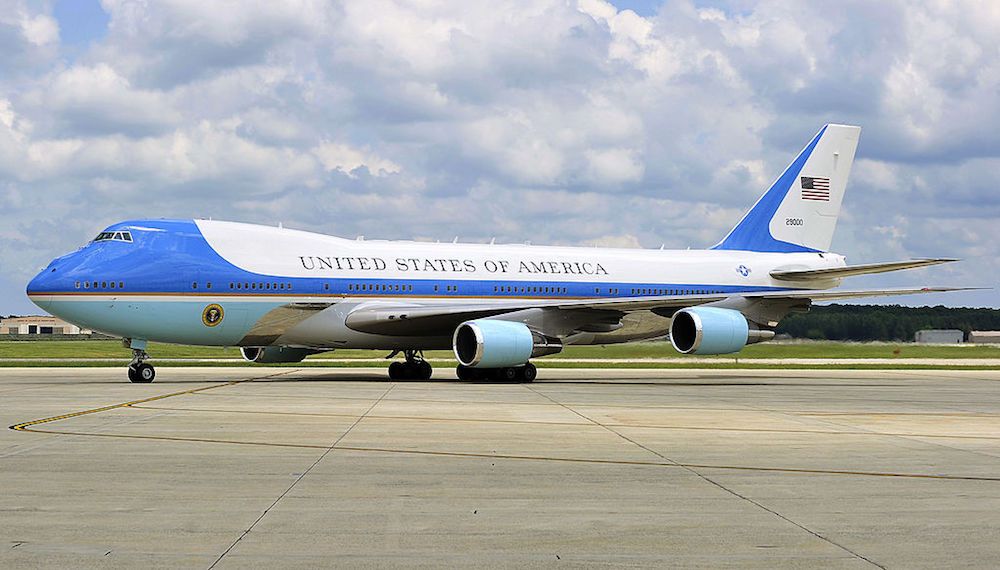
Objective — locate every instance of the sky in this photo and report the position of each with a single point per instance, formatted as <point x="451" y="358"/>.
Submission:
<point x="573" y="122"/>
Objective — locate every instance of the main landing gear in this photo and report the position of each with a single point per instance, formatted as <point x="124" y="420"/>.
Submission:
<point x="526" y="373"/>
<point x="414" y="368"/>
<point x="139" y="371"/>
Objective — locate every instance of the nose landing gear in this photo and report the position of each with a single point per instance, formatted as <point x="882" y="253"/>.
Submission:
<point x="139" y="371"/>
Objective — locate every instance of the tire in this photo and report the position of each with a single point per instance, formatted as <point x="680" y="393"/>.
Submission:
<point x="507" y="374"/>
<point x="529" y="372"/>
<point x="397" y="371"/>
<point x="466" y="373"/>
<point x="424" y="370"/>
<point x="144" y="373"/>
<point x="132" y="376"/>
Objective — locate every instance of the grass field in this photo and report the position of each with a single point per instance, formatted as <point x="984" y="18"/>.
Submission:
<point x="51" y="353"/>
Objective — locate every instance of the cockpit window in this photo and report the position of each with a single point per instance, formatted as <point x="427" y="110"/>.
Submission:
<point x="114" y="236"/>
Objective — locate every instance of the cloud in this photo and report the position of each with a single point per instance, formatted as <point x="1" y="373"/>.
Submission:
<point x="551" y="121"/>
<point x="342" y="157"/>
<point x="95" y="100"/>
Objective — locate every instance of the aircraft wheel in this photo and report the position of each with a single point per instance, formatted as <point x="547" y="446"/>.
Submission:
<point x="141" y="373"/>
<point x="529" y="372"/>
<point x="507" y="374"/>
<point x="423" y="370"/>
<point x="466" y="373"/>
<point x="397" y="371"/>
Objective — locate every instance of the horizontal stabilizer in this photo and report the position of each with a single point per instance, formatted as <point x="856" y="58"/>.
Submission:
<point x="851" y="270"/>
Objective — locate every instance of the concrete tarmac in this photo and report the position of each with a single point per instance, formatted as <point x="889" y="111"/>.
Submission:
<point x="266" y="467"/>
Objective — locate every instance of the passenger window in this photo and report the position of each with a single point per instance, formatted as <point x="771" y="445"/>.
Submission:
<point x="104" y="284"/>
<point x="86" y="284"/>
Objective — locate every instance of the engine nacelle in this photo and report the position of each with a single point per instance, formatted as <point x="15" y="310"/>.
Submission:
<point x="712" y="330"/>
<point x="271" y="354"/>
<point x="488" y="343"/>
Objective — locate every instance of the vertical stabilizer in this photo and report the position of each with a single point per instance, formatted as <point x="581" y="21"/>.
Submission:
<point x="799" y="211"/>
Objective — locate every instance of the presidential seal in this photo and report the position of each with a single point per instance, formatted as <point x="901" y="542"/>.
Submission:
<point x="212" y="315"/>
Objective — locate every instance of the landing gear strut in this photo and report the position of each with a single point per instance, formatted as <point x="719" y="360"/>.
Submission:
<point x="414" y="368"/>
<point x="526" y="373"/>
<point x="139" y="371"/>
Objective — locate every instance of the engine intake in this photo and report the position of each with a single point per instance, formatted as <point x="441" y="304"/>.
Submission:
<point x="712" y="330"/>
<point x="488" y="343"/>
<point x="272" y="354"/>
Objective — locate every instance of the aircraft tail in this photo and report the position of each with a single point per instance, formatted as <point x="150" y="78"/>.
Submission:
<point x="799" y="211"/>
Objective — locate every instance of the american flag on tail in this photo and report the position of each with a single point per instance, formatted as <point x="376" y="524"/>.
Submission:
<point x="815" y="188"/>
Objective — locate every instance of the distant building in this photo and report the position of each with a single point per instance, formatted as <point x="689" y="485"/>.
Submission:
<point x="940" y="336"/>
<point x="38" y="324"/>
<point x="984" y="337"/>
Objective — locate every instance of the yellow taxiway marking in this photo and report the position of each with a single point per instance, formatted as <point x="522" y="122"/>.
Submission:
<point x="29" y="426"/>
<point x="24" y="426"/>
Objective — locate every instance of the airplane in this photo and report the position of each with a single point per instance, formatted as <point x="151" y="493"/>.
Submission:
<point x="282" y="294"/>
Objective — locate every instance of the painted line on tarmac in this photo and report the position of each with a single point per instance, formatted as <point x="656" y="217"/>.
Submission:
<point x="554" y="423"/>
<point x="25" y="426"/>
<point x="29" y="426"/>
<point x="473" y="455"/>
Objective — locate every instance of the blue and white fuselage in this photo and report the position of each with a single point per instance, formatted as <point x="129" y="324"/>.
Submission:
<point x="157" y="285"/>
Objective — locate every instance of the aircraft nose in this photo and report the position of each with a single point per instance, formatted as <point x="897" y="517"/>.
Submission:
<point x="37" y="288"/>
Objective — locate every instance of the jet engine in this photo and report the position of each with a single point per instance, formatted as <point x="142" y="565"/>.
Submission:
<point x="271" y="354"/>
<point x="712" y="330"/>
<point x="488" y="343"/>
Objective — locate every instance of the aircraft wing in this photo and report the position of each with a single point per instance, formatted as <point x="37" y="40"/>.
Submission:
<point x="278" y="321"/>
<point x="442" y="319"/>
<point x="851" y="270"/>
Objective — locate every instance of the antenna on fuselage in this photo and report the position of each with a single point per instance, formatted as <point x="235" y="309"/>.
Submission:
<point x="493" y="240"/>
<point x="455" y="240"/>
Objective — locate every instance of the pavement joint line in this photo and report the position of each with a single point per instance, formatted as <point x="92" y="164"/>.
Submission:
<point x="824" y="419"/>
<point x="694" y="470"/>
<point x="524" y="422"/>
<point x="908" y="437"/>
<point x="327" y="451"/>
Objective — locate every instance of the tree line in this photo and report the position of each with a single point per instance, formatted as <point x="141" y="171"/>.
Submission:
<point x="884" y="322"/>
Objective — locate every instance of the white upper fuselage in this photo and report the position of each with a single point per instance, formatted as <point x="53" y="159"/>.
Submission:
<point x="290" y="253"/>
